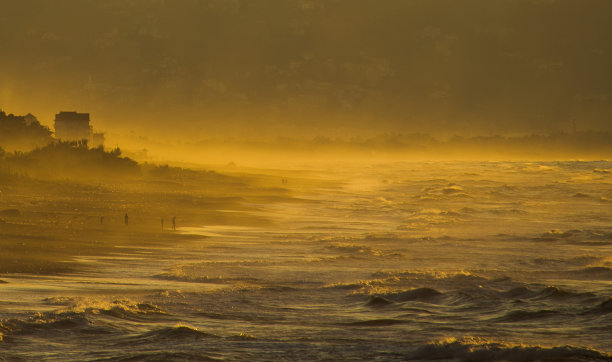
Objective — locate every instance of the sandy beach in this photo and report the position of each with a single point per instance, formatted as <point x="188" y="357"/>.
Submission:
<point x="45" y="224"/>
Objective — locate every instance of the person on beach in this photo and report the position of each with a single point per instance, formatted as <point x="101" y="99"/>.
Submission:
<point x="101" y="220"/>
<point x="125" y="219"/>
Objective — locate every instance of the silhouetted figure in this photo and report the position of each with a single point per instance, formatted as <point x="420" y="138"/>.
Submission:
<point x="173" y="222"/>
<point x="162" y="223"/>
<point x="125" y="219"/>
<point x="101" y="220"/>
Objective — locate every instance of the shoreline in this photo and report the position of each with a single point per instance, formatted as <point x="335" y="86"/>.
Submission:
<point x="47" y="224"/>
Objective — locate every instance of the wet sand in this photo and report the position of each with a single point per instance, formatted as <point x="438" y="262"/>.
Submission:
<point x="46" y="224"/>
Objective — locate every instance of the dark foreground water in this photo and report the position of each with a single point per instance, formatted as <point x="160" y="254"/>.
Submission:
<point x="439" y="261"/>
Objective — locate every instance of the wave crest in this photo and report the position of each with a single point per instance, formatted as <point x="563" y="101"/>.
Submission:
<point x="474" y="349"/>
<point x="604" y="307"/>
<point x="524" y="315"/>
<point x="594" y="272"/>
<point x="51" y="322"/>
<point x="178" y="332"/>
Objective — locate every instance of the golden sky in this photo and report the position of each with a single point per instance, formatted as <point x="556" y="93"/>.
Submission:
<point x="301" y="67"/>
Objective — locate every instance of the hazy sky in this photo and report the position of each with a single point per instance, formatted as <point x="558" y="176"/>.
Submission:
<point x="301" y="67"/>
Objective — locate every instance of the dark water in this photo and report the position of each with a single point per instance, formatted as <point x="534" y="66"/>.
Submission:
<point x="424" y="261"/>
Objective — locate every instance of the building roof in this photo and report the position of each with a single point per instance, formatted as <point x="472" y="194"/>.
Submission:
<point x="75" y="117"/>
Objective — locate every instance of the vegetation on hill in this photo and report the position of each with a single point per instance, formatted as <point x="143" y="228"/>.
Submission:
<point x="22" y="133"/>
<point x="66" y="160"/>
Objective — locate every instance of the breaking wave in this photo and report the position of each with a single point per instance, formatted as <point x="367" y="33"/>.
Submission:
<point x="478" y="350"/>
<point x="52" y="323"/>
<point x="80" y="317"/>
<point x="120" y="308"/>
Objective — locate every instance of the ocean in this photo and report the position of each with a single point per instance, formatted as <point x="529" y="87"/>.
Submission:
<point x="393" y="261"/>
